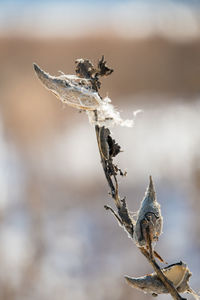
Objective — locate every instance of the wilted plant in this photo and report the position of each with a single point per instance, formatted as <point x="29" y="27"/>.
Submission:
<point x="82" y="92"/>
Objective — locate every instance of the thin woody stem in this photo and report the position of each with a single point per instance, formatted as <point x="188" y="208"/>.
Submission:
<point x="114" y="213"/>
<point x="117" y="199"/>
<point x="104" y="162"/>
<point x="167" y="283"/>
<point x="149" y="242"/>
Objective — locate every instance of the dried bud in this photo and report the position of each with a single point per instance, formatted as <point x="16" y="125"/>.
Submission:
<point x="148" y="217"/>
<point x="84" y="68"/>
<point x="178" y="274"/>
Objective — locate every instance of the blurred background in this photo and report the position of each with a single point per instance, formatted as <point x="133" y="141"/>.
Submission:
<point x="57" y="241"/>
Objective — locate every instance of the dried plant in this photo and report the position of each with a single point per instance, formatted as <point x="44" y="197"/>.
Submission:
<point x="82" y="92"/>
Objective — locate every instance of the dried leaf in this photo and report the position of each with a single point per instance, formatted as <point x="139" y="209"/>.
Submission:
<point x="114" y="148"/>
<point x="103" y="142"/>
<point x="103" y="69"/>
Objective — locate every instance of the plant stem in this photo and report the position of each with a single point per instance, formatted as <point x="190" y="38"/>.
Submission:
<point x="125" y="220"/>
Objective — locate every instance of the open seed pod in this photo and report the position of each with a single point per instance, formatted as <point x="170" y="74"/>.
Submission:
<point x="149" y="216"/>
<point x="70" y="89"/>
<point x="81" y="92"/>
<point x="178" y="274"/>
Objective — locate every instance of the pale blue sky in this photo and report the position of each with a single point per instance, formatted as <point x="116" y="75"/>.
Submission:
<point x="137" y="18"/>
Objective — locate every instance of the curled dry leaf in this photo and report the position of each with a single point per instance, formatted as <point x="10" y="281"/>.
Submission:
<point x="107" y="145"/>
<point x="178" y="274"/>
<point x="103" y="69"/>
<point x="148" y="217"/>
<point x="103" y="142"/>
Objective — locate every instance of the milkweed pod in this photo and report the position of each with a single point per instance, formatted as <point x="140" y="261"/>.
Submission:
<point x="79" y="93"/>
<point x="70" y="89"/>
<point x="149" y="214"/>
<point x="178" y="274"/>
